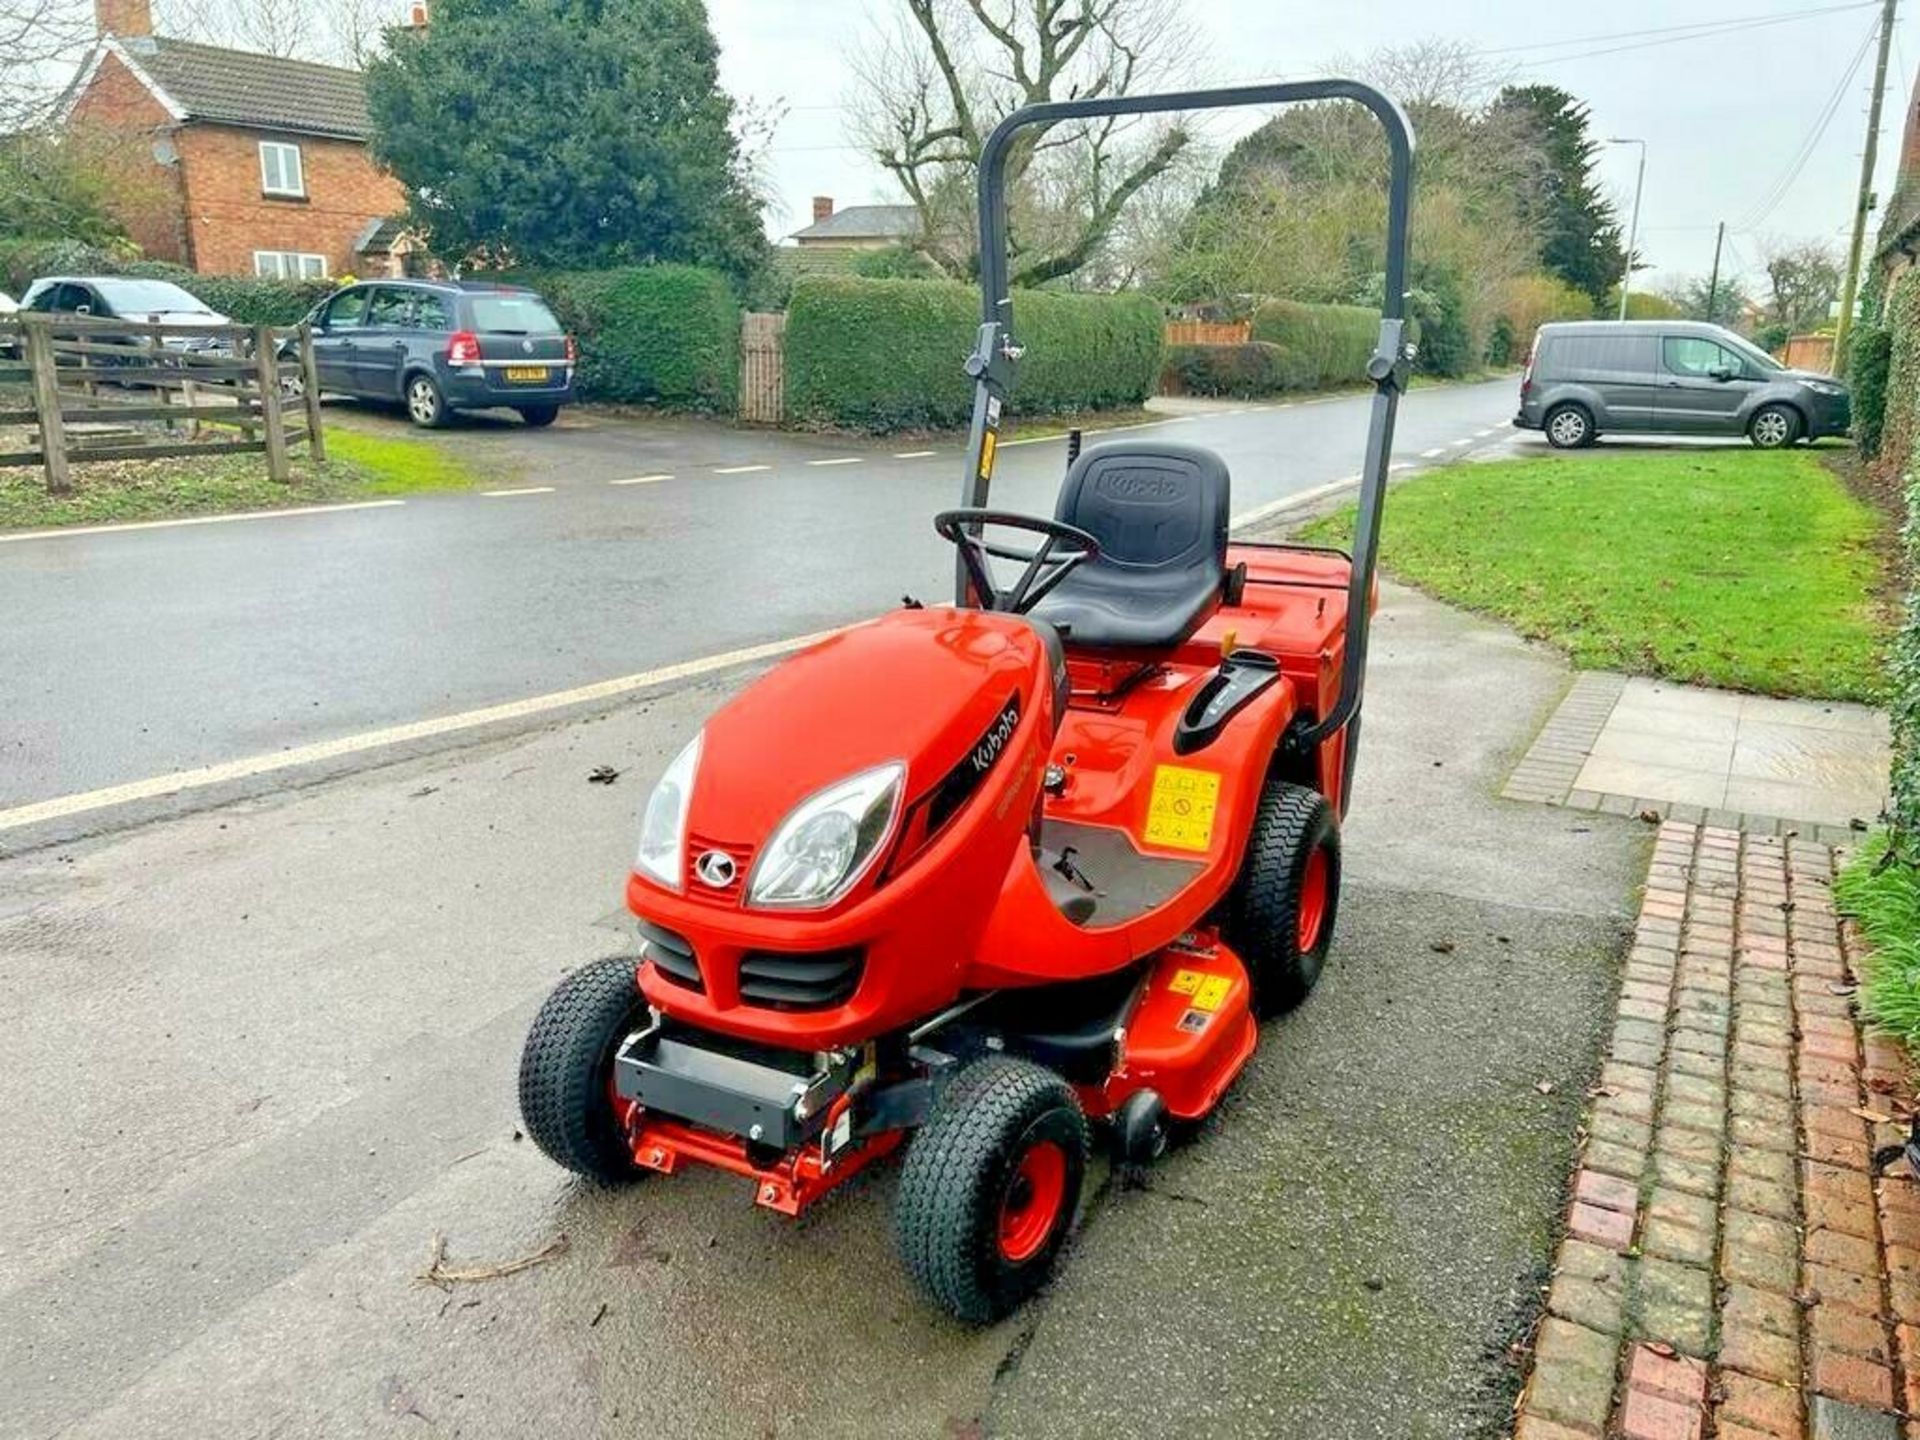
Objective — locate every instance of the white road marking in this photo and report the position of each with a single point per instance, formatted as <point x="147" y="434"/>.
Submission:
<point x="158" y="786"/>
<point x="740" y="469"/>
<point x="640" y="480"/>
<point x="912" y="454"/>
<point x="1482" y="434"/>
<point x="1400" y="465"/>
<point x="521" y="490"/>
<point x="1289" y="502"/>
<point x="1458" y="443"/>
<point x="64" y="532"/>
<point x="1430" y="454"/>
<point x="839" y="460"/>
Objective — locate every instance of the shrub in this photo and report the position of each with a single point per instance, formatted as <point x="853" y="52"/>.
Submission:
<point x="655" y="334"/>
<point x="1330" y="344"/>
<point x="1253" y="369"/>
<point x="885" y="354"/>
<point x="1900" y="408"/>
<point x="1869" y="356"/>
<point x="1526" y="303"/>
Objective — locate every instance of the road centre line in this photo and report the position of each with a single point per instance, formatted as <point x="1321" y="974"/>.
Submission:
<point x="740" y="469"/>
<point x="521" y="490"/>
<point x="179" y="781"/>
<point x="1436" y="451"/>
<point x="912" y="454"/>
<point x="65" y="532"/>
<point x="1458" y="443"/>
<point x="839" y="460"/>
<point x="640" y="480"/>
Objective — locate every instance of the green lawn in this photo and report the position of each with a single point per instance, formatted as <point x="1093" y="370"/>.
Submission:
<point x="358" y="466"/>
<point x="1736" y="568"/>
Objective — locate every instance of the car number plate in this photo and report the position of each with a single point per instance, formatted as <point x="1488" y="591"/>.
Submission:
<point x="533" y="374"/>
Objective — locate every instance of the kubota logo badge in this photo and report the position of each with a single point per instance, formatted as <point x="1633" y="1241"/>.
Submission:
<point x="715" y="868"/>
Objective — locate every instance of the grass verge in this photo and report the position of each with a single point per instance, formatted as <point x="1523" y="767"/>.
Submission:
<point x="1883" y="897"/>
<point x="358" y="466"/>
<point x="1735" y="568"/>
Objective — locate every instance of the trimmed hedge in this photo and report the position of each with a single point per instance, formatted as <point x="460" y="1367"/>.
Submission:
<point x="654" y="334"/>
<point x="886" y="354"/>
<point x="1870" y="355"/>
<point x="1246" y="371"/>
<point x="1332" y="343"/>
<point x="1901" y="406"/>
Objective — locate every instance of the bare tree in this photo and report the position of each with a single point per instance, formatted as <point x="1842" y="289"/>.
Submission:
<point x="1803" y="281"/>
<point x="336" y="32"/>
<point x="932" y="87"/>
<point x="39" y="42"/>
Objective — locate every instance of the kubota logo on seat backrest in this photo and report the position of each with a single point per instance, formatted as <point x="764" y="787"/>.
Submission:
<point x="1138" y="485"/>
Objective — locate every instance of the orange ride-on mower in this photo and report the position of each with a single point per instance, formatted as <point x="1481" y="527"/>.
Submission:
<point x="977" y="880"/>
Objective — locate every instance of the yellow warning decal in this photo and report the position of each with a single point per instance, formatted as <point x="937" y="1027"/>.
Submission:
<point x="1212" y="994"/>
<point x="1180" y="814"/>
<point x="988" y="443"/>
<point x="1185" y="982"/>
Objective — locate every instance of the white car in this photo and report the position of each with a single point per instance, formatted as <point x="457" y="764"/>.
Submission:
<point x="128" y="297"/>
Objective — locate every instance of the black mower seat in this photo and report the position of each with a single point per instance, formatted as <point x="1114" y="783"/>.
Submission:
<point x="1159" y="512"/>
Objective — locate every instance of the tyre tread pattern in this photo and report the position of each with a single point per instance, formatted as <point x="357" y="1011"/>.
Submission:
<point x="1263" y="909"/>
<point x="563" y="1098"/>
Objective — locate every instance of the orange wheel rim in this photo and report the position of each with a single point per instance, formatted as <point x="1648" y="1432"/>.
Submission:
<point x="1315" y="890"/>
<point x="1031" y="1207"/>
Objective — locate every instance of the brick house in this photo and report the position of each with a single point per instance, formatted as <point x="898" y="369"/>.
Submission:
<point x="236" y="163"/>
<point x="858" y="227"/>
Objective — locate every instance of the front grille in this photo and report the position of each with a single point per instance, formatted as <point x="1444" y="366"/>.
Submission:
<point x="800" y="982"/>
<point x="672" y="956"/>
<point x="729" y="893"/>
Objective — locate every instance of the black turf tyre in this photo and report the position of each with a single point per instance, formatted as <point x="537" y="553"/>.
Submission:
<point x="959" y="1188"/>
<point x="539" y="415"/>
<point x="1774" y="427"/>
<point x="567" y="1064"/>
<point x="1568" y="427"/>
<point x="1265" y="916"/>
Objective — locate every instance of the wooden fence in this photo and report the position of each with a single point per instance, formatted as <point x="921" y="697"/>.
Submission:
<point x="763" y="381"/>
<point x="1209" y="332"/>
<point x="101" y="389"/>
<point x="1809" y="352"/>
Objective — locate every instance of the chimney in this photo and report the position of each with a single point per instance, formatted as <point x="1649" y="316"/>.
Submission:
<point x="129" y="19"/>
<point x="822" y="208"/>
<point x="417" y="15"/>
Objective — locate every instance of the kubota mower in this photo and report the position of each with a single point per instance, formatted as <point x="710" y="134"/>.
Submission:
<point x="979" y="880"/>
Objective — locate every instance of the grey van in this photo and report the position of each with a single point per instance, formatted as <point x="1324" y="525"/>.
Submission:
<point x="1678" y="377"/>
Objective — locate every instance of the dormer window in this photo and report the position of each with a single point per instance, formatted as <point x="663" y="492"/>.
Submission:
<point x="280" y="172"/>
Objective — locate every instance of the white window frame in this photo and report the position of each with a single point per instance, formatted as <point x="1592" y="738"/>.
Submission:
<point x="275" y="176"/>
<point x="289" y="265"/>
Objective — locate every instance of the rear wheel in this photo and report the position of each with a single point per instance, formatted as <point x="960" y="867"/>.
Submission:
<point x="990" y="1186"/>
<point x="539" y="415"/>
<point x="566" y="1070"/>
<point x="426" y="406"/>
<point x="1569" y="427"/>
<point x="1280" y="912"/>
<point x="1774" y="427"/>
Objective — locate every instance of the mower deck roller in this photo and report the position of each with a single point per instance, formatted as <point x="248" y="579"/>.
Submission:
<point x="984" y="880"/>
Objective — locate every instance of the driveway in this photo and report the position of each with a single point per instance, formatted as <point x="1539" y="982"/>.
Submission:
<point x="262" y="1054"/>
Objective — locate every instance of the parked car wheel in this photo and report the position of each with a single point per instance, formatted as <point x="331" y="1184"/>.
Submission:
<point x="1569" y="427"/>
<point x="539" y="416"/>
<point x="426" y="406"/>
<point x="1774" y="426"/>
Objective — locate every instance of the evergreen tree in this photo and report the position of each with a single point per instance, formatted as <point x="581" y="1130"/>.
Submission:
<point x="1579" y="234"/>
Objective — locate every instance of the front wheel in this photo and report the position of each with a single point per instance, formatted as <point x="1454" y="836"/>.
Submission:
<point x="990" y="1186"/>
<point x="426" y="406"/>
<point x="1774" y="427"/>
<point x="1280" y="912"/>
<point x="566" y="1070"/>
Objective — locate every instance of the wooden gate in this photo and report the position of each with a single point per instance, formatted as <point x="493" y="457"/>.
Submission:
<point x="762" y="372"/>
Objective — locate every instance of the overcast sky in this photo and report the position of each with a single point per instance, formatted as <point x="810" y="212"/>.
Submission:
<point x="1725" y="117"/>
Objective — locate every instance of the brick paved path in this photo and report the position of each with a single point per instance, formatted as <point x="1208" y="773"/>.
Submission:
<point x="1731" y="1267"/>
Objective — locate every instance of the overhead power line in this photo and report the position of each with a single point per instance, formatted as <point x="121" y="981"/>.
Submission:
<point x="1778" y="191"/>
<point x="1675" y="34"/>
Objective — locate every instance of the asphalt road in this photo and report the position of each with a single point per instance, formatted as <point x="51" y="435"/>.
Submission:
<point x="138" y="653"/>
<point x="260" y="1054"/>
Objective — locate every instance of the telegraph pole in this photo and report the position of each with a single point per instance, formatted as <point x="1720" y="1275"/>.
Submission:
<point x="1863" y="205"/>
<point x="1713" y="283"/>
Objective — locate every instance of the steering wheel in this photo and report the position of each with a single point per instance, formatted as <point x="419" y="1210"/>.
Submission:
<point x="1061" y="549"/>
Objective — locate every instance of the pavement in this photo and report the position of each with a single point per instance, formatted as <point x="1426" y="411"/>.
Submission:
<point x="262" y="1053"/>
<point x="610" y="547"/>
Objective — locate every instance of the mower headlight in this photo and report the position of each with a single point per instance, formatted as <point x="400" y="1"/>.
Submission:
<point x="828" y="841"/>
<point x="663" y="824"/>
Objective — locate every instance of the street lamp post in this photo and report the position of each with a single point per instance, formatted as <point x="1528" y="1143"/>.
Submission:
<point x="1633" y="225"/>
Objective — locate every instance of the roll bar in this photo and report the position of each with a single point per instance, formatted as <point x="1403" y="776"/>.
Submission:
<point x="996" y="352"/>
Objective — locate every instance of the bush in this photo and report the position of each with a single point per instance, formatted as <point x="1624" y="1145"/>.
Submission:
<point x="886" y="354"/>
<point x="1247" y="371"/>
<point x="1900" y="408"/>
<point x="653" y="334"/>
<point x="1330" y="343"/>
<point x="1526" y="303"/>
<point x="1869" y="356"/>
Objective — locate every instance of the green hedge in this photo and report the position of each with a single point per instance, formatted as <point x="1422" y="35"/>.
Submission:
<point x="1253" y="369"/>
<point x="886" y="354"/>
<point x="653" y="334"/>
<point x="1870" y="354"/>
<point x="1332" y="342"/>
